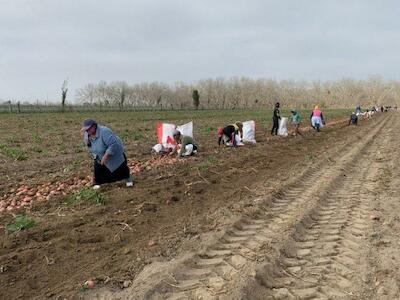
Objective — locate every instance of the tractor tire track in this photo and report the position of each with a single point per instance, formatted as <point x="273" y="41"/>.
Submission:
<point x="322" y="258"/>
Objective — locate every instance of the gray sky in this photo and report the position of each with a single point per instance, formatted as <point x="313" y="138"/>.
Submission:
<point x="42" y="42"/>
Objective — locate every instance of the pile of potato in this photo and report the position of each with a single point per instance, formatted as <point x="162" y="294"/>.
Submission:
<point x="156" y="161"/>
<point x="24" y="195"/>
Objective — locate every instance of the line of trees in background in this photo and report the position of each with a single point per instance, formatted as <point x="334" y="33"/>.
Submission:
<point x="241" y="92"/>
<point x="219" y="93"/>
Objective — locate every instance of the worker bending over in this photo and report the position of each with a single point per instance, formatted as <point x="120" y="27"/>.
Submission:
<point x="228" y="133"/>
<point x="187" y="146"/>
<point x="353" y="119"/>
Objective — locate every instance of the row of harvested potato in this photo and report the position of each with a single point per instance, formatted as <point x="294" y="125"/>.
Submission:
<point x="25" y="195"/>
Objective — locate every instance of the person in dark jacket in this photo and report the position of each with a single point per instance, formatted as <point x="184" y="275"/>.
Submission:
<point x="353" y="119"/>
<point x="276" y="116"/>
<point x="228" y="133"/>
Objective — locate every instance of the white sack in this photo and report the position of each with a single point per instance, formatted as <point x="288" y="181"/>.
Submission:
<point x="186" y="129"/>
<point x="249" y="132"/>
<point x="282" y="130"/>
<point x="158" y="148"/>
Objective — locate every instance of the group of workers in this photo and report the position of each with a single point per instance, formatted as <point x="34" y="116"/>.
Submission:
<point x="316" y="119"/>
<point x="108" y="153"/>
<point x="110" y="162"/>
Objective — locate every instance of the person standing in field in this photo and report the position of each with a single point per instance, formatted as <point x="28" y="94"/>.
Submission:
<point x="187" y="144"/>
<point x="107" y="149"/>
<point x="276" y="116"/>
<point x="295" y="119"/>
<point x="317" y="119"/>
<point x="228" y="133"/>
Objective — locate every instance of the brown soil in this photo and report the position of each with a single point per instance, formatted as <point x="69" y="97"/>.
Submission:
<point x="170" y="213"/>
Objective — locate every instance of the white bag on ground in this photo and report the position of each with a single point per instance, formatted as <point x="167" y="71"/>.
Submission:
<point x="249" y="132"/>
<point x="186" y="129"/>
<point x="237" y="140"/>
<point x="158" y="148"/>
<point x="282" y="130"/>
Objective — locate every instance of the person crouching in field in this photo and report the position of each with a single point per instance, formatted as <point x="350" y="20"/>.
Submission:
<point x="295" y="119"/>
<point x="228" y="133"/>
<point x="317" y="119"/>
<point x="187" y="144"/>
<point x="276" y="116"/>
<point x="353" y="119"/>
<point x="109" y="159"/>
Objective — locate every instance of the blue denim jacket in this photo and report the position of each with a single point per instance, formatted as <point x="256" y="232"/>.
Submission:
<point x="106" y="142"/>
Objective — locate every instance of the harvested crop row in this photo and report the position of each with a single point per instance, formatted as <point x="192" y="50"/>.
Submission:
<point x="24" y="195"/>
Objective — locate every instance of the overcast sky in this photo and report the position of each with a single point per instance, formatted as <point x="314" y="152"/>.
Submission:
<point x="42" y="42"/>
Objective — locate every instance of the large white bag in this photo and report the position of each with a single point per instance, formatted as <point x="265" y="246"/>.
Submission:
<point x="282" y="130"/>
<point x="249" y="131"/>
<point x="186" y="129"/>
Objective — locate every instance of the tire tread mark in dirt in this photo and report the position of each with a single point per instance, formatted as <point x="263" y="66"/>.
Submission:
<point x="325" y="244"/>
<point x="320" y="259"/>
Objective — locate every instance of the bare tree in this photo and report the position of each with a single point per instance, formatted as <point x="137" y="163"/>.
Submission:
<point x="64" y="90"/>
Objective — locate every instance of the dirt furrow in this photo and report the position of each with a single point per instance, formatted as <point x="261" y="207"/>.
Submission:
<point x="232" y="260"/>
<point x="382" y="255"/>
<point x="321" y="257"/>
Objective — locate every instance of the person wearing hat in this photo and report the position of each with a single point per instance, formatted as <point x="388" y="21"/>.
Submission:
<point x="317" y="119"/>
<point x="187" y="145"/>
<point x="295" y="120"/>
<point x="228" y="133"/>
<point x="276" y="116"/>
<point x="107" y="149"/>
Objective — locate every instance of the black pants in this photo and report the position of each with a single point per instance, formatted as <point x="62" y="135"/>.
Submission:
<point x="194" y="149"/>
<point x="103" y="175"/>
<point x="353" y="122"/>
<point x="275" y="126"/>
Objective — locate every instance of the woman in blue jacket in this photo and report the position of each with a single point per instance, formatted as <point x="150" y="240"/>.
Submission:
<point x="107" y="149"/>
